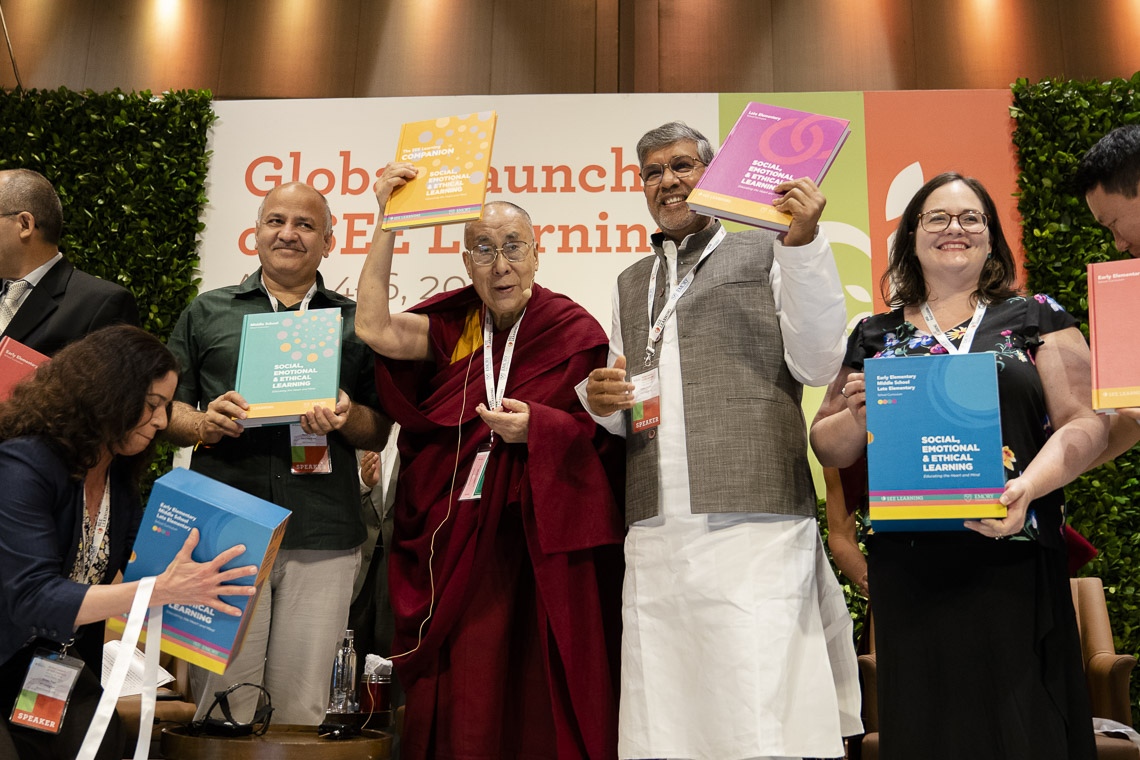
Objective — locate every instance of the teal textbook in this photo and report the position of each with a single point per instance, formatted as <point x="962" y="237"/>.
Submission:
<point x="288" y="363"/>
<point x="224" y="517"/>
<point x="934" y="450"/>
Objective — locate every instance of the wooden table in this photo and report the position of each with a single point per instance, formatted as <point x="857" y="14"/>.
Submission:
<point x="279" y="742"/>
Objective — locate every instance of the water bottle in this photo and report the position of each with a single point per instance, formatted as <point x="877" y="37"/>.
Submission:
<point x="342" y="685"/>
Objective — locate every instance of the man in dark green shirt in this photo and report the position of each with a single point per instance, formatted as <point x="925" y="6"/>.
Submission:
<point x="302" y="611"/>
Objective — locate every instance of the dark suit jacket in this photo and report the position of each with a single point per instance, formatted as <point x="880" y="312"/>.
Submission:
<point x="41" y="522"/>
<point x="66" y="305"/>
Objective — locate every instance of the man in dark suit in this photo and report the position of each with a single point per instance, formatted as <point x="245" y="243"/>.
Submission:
<point x="45" y="302"/>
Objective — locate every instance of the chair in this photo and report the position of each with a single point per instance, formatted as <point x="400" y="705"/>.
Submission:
<point x="174" y="705"/>
<point x="1106" y="673"/>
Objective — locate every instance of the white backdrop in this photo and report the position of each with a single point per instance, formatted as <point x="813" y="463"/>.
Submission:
<point x="557" y="156"/>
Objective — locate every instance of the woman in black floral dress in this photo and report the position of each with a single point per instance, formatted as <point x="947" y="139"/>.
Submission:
<point x="977" y="646"/>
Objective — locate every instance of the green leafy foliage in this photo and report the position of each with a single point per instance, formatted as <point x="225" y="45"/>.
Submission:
<point x="1056" y="122"/>
<point x="130" y="169"/>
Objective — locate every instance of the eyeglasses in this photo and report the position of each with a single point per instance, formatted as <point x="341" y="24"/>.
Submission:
<point x="11" y="213"/>
<point x="485" y="255"/>
<point x="937" y="221"/>
<point x="681" y="166"/>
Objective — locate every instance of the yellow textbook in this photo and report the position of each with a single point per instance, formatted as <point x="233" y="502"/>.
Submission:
<point x="453" y="155"/>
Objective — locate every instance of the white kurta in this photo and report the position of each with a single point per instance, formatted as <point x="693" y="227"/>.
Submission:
<point x="737" y="642"/>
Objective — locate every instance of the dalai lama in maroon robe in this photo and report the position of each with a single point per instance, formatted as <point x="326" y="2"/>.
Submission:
<point x="505" y="565"/>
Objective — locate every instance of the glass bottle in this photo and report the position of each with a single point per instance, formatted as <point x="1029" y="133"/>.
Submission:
<point x="342" y="685"/>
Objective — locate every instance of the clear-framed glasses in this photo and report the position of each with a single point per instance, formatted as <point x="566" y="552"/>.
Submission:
<point x="937" y="221"/>
<point x="681" y="166"/>
<point x="485" y="255"/>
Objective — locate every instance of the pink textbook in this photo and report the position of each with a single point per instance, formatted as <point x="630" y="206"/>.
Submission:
<point x="1114" y="289"/>
<point x="767" y="145"/>
<point x="17" y="361"/>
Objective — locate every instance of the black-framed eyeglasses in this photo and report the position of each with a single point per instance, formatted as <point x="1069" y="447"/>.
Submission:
<point x="485" y="255"/>
<point x="11" y="213"/>
<point x="969" y="221"/>
<point x="681" y="166"/>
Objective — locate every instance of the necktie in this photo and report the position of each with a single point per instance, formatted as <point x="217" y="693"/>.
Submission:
<point x="15" y="291"/>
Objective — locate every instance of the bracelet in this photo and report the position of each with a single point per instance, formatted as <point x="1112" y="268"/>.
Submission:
<point x="201" y="440"/>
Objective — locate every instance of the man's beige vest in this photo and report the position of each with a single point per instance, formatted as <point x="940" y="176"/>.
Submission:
<point x="745" y="431"/>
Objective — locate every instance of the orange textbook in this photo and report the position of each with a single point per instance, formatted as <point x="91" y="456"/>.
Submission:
<point x="17" y="361"/>
<point x="453" y="155"/>
<point x="1114" y="290"/>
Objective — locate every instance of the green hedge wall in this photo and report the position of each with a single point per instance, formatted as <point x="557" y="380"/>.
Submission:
<point x="1056" y="122"/>
<point x="131" y="172"/>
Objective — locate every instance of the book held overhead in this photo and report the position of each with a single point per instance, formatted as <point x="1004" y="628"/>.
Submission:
<point x="453" y="157"/>
<point x="768" y="145"/>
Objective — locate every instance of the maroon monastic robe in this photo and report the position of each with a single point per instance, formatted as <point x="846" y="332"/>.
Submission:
<point x="508" y="607"/>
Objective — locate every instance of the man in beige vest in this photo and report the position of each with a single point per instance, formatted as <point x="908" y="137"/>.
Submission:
<point x="736" y="642"/>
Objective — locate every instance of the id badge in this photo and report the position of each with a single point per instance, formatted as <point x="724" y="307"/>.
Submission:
<point x="46" y="692"/>
<point x="310" y="452"/>
<point x="646" y="411"/>
<point x="473" y="488"/>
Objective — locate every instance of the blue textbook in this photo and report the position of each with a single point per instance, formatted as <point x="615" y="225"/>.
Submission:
<point x="934" y="450"/>
<point x="224" y="517"/>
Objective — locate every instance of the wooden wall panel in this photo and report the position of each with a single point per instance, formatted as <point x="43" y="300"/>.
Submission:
<point x="1102" y="41"/>
<point x="639" y="38"/>
<point x="541" y="47"/>
<point x="606" y="46"/>
<point x="723" y="46"/>
<point x="157" y="46"/>
<point x="986" y="44"/>
<point x="345" y="48"/>
<point x="289" y="48"/>
<point x="837" y="45"/>
<point x="51" y="40"/>
<point x="427" y="47"/>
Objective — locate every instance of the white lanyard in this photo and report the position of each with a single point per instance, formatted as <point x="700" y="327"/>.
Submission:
<point x="495" y="392"/>
<point x="304" y="301"/>
<point x="671" y="305"/>
<point x="967" y="339"/>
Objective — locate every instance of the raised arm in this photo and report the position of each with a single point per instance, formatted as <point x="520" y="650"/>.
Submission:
<point x="397" y="336"/>
<point x="807" y="289"/>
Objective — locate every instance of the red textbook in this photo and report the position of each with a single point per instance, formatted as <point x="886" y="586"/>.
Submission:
<point x="17" y="361"/>
<point x="767" y="146"/>
<point x="1114" y="290"/>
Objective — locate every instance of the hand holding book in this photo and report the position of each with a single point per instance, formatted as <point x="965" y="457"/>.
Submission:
<point x="396" y="174"/>
<point x="222" y="418"/>
<point x="321" y="420"/>
<point x="802" y="200"/>
<point x="188" y="582"/>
